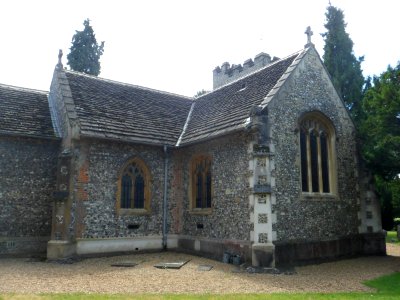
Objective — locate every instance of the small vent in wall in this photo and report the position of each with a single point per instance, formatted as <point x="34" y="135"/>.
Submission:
<point x="10" y="244"/>
<point x="133" y="226"/>
<point x="200" y="226"/>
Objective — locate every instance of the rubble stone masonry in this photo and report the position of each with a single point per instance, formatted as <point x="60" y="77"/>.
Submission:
<point x="27" y="181"/>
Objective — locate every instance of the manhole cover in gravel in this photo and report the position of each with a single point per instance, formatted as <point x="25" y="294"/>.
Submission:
<point x="204" y="268"/>
<point x="125" y="264"/>
<point x="171" y="265"/>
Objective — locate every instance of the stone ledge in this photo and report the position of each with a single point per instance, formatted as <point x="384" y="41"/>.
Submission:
<point x="309" y="252"/>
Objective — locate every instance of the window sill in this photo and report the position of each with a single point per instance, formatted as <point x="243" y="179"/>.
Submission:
<point x="201" y="211"/>
<point x="318" y="197"/>
<point x="133" y="212"/>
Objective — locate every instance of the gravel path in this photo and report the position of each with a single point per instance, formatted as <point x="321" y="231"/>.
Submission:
<point x="96" y="275"/>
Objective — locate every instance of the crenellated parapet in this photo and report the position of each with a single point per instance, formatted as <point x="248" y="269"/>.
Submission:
<point x="228" y="73"/>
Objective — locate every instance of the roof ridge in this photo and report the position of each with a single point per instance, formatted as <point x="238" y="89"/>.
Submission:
<point x="20" y="88"/>
<point x="254" y="72"/>
<point x="127" y="84"/>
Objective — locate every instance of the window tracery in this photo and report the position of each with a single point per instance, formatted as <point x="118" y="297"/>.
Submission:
<point x="201" y="182"/>
<point x="134" y="186"/>
<point x="317" y="155"/>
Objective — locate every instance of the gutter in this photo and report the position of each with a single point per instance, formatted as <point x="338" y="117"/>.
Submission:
<point x="165" y="202"/>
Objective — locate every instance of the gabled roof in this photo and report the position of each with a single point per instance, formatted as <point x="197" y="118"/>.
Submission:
<point x="24" y="112"/>
<point x="118" y="111"/>
<point x="114" y="110"/>
<point x="227" y="108"/>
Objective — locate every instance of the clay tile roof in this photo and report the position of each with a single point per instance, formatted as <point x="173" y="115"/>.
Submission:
<point x="114" y="110"/>
<point x="24" y="112"/>
<point x="227" y="108"/>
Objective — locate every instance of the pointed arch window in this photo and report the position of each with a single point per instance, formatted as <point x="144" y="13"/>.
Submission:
<point x="201" y="182"/>
<point x="134" y="187"/>
<point x="317" y="154"/>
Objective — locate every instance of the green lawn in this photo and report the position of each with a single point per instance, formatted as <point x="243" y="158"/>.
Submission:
<point x="392" y="235"/>
<point x="387" y="287"/>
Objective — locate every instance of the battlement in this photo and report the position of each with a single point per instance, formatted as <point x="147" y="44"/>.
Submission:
<point x="228" y="73"/>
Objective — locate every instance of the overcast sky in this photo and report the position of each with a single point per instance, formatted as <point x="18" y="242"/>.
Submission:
<point x="173" y="45"/>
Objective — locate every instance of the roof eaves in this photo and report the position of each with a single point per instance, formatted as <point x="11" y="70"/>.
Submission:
<point x="214" y="134"/>
<point x="142" y="141"/>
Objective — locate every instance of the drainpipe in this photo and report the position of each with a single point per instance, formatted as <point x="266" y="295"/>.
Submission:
<point x="164" y="238"/>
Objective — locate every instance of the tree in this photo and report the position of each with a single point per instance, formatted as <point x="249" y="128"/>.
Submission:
<point x="339" y="59"/>
<point x="85" y="52"/>
<point x="201" y="93"/>
<point x="380" y="134"/>
<point x="380" y="126"/>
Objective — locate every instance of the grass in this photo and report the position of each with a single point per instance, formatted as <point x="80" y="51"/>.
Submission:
<point x="389" y="284"/>
<point x="391" y="237"/>
<point x="387" y="287"/>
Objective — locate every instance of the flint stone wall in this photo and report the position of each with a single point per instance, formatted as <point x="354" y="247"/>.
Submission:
<point x="97" y="166"/>
<point x="27" y="181"/>
<point x="230" y="216"/>
<point x="308" y="89"/>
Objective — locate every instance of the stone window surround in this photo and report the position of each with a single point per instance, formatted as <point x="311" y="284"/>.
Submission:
<point x="192" y="186"/>
<point x="321" y="118"/>
<point x="147" y="189"/>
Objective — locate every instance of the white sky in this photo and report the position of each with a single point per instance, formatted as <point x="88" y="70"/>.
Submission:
<point x="173" y="45"/>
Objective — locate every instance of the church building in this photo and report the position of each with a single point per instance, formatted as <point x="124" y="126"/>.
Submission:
<point x="264" y="167"/>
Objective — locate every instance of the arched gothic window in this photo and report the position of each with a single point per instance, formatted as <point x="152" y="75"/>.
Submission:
<point x="317" y="154"/>
<point x="134" y="186"/>
<point x="201" y="182"/>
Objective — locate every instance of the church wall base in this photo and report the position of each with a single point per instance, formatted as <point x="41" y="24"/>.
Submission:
<point x="110" y="245"/>
<point x="60" y="249"/>
<point x="308" y="252"/>
<point x="23" y="246"/>
<point x="263" y="255"/>
<point x="214" y="248"/>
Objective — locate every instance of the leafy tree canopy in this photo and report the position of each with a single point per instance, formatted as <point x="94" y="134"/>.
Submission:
<point x="85" y="52"/>
<point x="339" y="59"/>
<point x="380" y="128"/>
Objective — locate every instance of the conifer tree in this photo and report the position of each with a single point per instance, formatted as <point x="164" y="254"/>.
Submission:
<point x="380" y="126"/>
<point x="85" y="52"/>
<point x="339" y="59"/>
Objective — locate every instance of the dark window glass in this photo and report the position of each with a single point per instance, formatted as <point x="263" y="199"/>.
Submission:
<point x="314" y="162"/>
<point x="304" y="163"/>
<point x="324" y="163"/>
<point x="208" y="190"/>
<point x="201" y="182"/>
<point x="139" y="192"/>
<point x="126" y="191"/>
<point x="199" y="190"/>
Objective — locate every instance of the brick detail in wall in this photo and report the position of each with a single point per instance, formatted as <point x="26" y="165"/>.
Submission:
<point x="177" y="206"/>
<point x="83" y="180"/>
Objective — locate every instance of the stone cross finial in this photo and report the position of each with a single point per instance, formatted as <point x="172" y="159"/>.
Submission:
<point x="59" y="64"/>
<point x="309" y="33"/>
